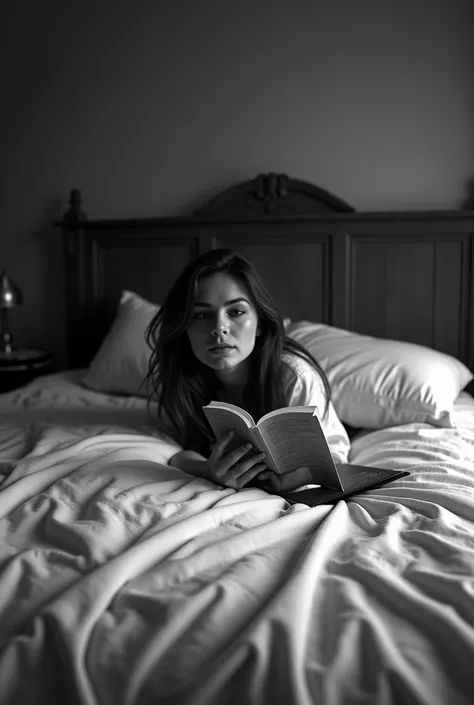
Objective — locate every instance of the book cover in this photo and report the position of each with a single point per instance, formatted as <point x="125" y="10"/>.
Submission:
<point x="355" y="478"/>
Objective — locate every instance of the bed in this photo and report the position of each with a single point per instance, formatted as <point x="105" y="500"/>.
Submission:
<point x="125" y="580"/>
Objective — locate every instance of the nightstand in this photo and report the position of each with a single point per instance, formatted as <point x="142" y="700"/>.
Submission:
<point x="21" y="365"/>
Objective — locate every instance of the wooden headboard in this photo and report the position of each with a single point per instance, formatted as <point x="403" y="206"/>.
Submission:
<point x="407" y="276"/>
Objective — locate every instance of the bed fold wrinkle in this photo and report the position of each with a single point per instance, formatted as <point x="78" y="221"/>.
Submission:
<point x="123" y="580"/>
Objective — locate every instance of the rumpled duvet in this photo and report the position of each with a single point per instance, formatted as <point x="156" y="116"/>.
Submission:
<point x="125" y="580"/>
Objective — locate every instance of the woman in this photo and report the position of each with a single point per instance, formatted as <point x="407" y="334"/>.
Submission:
<point x="219" y="336"/>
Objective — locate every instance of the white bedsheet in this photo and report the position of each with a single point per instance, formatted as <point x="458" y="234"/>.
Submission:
<point x="123" y="580"/>
<point x="60" y="401"/>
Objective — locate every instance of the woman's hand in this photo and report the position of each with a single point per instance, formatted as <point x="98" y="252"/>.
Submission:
<point x="229" y="469"/>
<point x="289" y="481"/>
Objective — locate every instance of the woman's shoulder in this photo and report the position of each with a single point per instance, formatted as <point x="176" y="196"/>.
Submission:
<point x="302" y="383"/>
<point x="295" y="366"/>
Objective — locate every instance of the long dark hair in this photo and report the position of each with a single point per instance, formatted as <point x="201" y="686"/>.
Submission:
<point x="183" y="385"/>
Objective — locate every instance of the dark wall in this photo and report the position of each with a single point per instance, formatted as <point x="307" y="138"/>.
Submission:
<point x="151" y="107"/>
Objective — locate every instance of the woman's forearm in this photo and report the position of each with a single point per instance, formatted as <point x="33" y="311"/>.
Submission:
<point x="190" y="461"/>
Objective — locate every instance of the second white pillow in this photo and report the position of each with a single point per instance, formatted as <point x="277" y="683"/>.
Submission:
<point x="378" y="383"/>
<point x="121" y="363"/>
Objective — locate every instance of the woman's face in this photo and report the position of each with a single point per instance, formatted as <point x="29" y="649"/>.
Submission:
<point x="224" y="327"/>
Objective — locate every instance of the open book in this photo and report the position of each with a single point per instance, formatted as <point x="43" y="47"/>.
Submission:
<point x="291" y="438"/>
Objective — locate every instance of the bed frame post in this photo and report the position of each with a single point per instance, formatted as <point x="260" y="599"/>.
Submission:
<point x="76" y="282"/>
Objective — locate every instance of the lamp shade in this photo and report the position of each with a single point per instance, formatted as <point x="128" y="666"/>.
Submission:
<point x="10" y="294"/>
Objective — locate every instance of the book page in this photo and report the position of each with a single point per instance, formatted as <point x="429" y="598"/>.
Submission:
<point x="235" y="409"/>
<point x="297" y="440"/>
<point x="223" y="420"/>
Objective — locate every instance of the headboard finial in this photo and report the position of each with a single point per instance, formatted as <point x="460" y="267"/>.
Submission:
<point x="270" y="187"/>
<point x="75" y="215"/>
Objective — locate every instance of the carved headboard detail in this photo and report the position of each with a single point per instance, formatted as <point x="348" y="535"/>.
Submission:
<point x="273" y="194"/>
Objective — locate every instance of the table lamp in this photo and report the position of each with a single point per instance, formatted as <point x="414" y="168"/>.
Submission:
<point x="10" y="296"/>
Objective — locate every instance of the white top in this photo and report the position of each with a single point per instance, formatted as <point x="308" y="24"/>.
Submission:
<point x="303" y="386"/>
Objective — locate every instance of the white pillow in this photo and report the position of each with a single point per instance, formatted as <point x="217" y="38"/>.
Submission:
<point x="378" y="383"/>
<point x="121" y="363"/>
